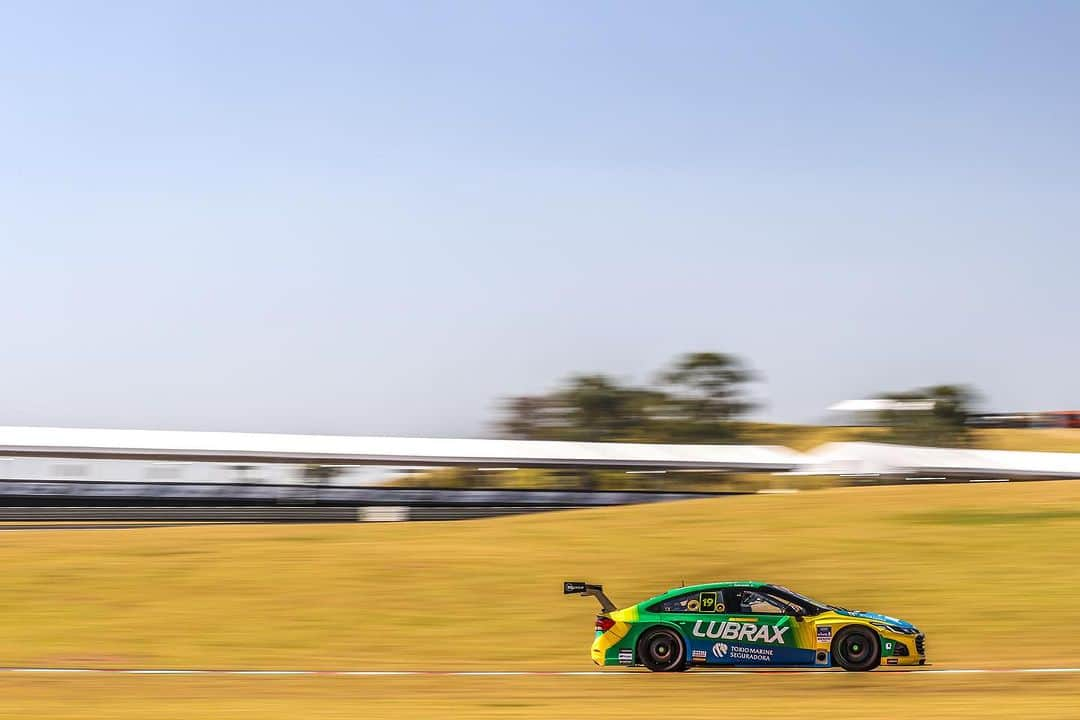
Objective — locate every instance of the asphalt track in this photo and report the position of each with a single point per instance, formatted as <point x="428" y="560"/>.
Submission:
<point x="515" y="673"/>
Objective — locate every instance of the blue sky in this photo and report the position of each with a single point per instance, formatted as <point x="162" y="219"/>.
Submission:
<point x="380" y="218"/>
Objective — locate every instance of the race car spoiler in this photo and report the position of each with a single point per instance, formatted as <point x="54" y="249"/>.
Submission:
<point x="597" y="591"/>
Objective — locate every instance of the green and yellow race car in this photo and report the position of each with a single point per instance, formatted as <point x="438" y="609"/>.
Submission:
<point x="745" y="623"/>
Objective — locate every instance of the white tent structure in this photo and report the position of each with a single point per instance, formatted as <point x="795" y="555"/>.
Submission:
<point x="881" y="405"/>
<point x="862" y="458"/>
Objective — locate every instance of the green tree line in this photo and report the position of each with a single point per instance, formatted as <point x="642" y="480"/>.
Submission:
<point x="697" y="399"/>
<point x="703" y="397"/>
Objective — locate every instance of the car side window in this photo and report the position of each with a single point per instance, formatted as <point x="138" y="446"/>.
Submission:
<point x="706" y="601"/>
<point x="752" y="602"/>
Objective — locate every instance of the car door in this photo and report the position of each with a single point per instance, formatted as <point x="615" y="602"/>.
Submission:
<point x="761" y="629"/>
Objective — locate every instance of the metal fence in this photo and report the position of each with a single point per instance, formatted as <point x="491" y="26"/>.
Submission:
<point x="242" y="514"/>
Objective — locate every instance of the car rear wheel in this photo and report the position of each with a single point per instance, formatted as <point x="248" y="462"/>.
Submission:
<point x="856" y="648"/>
<point x="662" y="650"/>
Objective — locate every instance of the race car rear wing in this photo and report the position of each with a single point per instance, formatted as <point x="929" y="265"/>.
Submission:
<point x="597" y="591"/>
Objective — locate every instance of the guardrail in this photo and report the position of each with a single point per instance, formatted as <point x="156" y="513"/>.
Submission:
<point x="86" y="493"/>
<point x="284" y="514"/>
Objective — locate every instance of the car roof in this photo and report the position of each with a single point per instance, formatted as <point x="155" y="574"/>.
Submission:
<point x="707" y="586"/>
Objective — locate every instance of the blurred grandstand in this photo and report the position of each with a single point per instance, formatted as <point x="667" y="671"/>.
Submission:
<point x="1047" y="419"/>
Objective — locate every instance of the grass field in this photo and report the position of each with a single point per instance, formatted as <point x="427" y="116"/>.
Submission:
<point x="989" y="572"/>
<point x="808" y="437"/>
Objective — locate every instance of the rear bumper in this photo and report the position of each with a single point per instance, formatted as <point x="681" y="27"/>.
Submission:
<point x="608" y="647"/>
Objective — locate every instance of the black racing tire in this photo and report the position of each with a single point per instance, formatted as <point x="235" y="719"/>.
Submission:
<point x="856" y="648"/>
<point x="662" y="650"/>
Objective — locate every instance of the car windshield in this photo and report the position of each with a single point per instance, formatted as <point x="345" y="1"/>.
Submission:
<point x="808" y="603"/>
<point x="754" y="602"/>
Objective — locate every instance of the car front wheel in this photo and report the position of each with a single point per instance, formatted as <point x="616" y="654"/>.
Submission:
<point x="856" y="648"/>
<point x="662" y="650"/>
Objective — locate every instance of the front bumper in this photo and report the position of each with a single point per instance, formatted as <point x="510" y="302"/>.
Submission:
<point x="903" y="650"/>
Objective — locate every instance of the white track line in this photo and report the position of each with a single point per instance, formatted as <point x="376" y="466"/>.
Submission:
<point x="503" y="673"/>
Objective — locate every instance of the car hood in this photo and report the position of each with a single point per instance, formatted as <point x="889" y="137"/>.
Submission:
<point x="862" y="614"/>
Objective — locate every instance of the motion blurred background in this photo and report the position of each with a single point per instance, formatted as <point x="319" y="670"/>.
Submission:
<point x="842" y="235"/>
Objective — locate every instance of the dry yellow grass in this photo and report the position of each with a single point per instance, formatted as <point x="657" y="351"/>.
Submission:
<point x="1042" y="439"/>
<point x="805" y="437"/>
<point x="988" y="572"/>
<point x="808" y="437"/>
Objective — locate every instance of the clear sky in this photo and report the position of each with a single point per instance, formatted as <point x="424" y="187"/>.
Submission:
<point x="380" y="218"/>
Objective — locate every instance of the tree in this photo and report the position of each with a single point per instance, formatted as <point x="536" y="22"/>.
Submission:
<point x="532" y="417"/>
<point x="943" y="421"/>
<point x="599" y="409"/>
<point x="588" y="408"/>
<point x="708" y="392"/>
<point x="953" y="404"/>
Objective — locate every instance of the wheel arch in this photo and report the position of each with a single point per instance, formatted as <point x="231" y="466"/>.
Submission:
<point x="645" y="627"/>
<point x="864" y="625"/>
<point x="666" y="624"/>
<point x="858" y="622"/>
